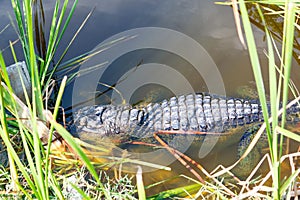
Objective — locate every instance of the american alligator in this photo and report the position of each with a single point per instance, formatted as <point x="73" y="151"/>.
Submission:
<point x="212" y="114"/>
<point x="199" y="112"/>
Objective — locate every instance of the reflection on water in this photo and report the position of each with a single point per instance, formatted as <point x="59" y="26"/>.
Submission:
<point x="209" y="24"/>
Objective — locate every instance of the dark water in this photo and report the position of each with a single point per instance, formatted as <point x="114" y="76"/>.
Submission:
<point x="211" y="25"/>
<point x="175" y="47"/>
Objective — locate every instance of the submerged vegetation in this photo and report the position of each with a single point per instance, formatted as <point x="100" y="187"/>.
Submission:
<point x="46" y="162"/>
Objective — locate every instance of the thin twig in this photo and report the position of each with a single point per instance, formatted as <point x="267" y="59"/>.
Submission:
<point x="238" y="22"/>
<point x="183" y="162"/>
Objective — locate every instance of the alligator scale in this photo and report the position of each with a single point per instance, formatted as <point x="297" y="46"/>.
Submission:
<point x="196" y="112"/>
<point x="200" y="112"/>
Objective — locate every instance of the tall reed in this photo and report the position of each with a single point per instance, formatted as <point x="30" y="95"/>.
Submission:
<point x="38" y="174"/>
<point x="278" y="82"/>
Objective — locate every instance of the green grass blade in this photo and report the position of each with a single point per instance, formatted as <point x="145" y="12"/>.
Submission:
<point x="75" y="35"/>
<point x="140" y="184"/>
<point x="4" y="73"/>
<point x="57" y="38"/>
<point x="29" y="54"/>
<point x="177" y="192"/>
<point x="13" y="171"/>
<point x="287" y="50"/>
<point x="54" y="30"/>
<point x="288" y="134"/>
<point x="70" y="140"/>
<point x="13" y="157"/>
<point x="21" y="27"/>
<point x="289" y="9"/>
<point x="273" y="85"/>
<point x="289" y="181"/>
<point x="54" y="184"/>
<point x="66" y="23"/>
<point x="24" y="191"/>
<point x="56" y="108"/>
<point x="51" y="39"/>
<point x="255" y="64"/>
<point x="82" y="193"/>
<point x="27" y="98"/>
<point x="17" y="160"/>
<point x="13" y="108"/>
<point x="273" y="141"/>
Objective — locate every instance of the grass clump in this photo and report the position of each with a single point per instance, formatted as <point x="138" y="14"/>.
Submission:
<point x="30" y="118"/>
<point x="279" y="81"/>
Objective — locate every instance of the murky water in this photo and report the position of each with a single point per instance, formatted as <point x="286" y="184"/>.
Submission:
<point x="152" y="72"/>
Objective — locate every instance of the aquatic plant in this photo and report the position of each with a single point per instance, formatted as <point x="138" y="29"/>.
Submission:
<point x="30" y="118"/>
<point x="279" y="79"/>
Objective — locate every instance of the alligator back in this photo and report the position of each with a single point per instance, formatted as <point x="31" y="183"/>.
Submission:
<point x="195" y="112"/>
